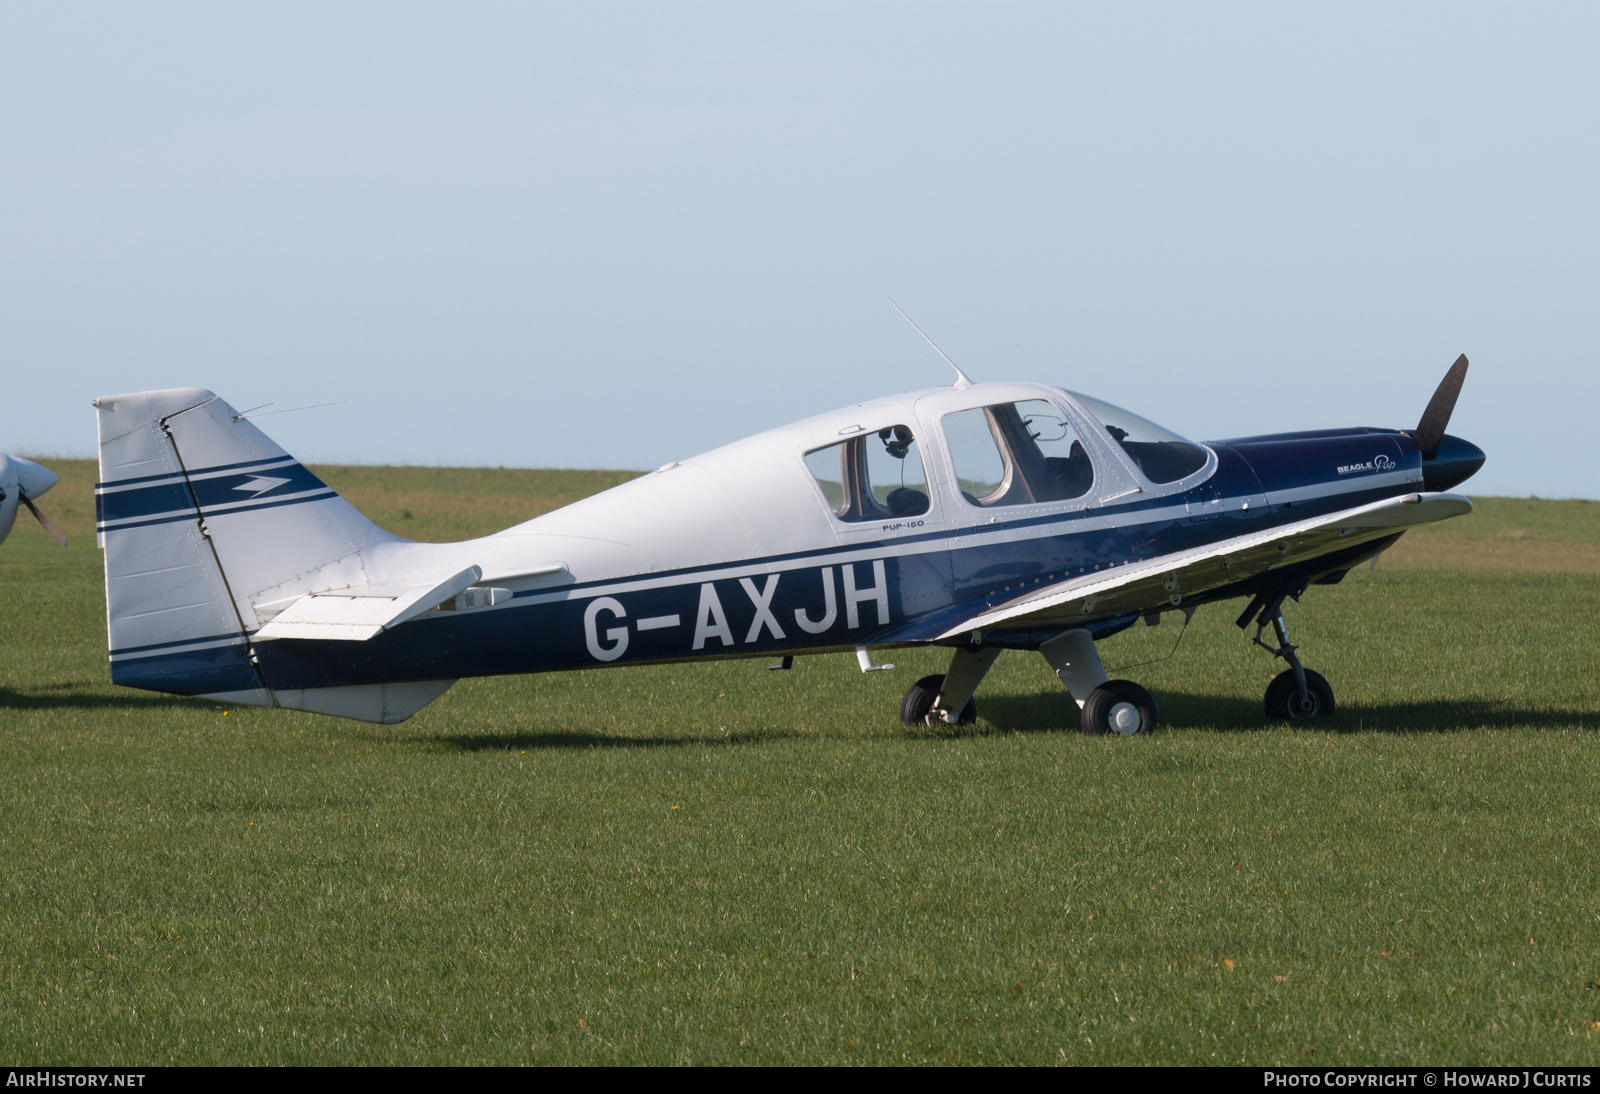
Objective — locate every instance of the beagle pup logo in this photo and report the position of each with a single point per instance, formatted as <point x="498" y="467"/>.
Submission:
<point x="1379" y="464"/>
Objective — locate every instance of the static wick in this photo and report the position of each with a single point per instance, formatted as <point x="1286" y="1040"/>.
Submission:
<point x="962" y="380"/>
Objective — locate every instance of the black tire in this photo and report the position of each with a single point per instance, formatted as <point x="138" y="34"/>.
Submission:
<point x="918" y="703"/>
<point x="1281" y="705"/>
<point x="1111" y="707"/>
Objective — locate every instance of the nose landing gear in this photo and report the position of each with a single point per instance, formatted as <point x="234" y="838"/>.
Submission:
<point x="1299" y="693"/>
<point x="1286" y="701"/>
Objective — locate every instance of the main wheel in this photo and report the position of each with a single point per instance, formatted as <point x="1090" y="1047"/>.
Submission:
<point x="1284" y="705"/>
<point x="918" y="703"/>
<point x="1121" y="707"/>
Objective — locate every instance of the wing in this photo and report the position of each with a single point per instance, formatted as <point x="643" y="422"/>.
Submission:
<point x="1167" y="581"/>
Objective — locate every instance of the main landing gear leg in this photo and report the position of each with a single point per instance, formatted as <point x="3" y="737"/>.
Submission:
<point x="1299" y="693"/>
<point x="948" y="698"/>
<point x="1108" y="706"/>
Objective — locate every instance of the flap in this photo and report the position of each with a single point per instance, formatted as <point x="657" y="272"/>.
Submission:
<point x="1166" y="581"/>
<point x="361" y="612"/>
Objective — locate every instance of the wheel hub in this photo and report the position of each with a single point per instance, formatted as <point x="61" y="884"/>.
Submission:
<point x="1125" y="718"/>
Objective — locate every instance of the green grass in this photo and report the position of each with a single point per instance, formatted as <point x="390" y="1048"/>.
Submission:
<point x="1566" y="521"/>
<point x="719" y="864"/>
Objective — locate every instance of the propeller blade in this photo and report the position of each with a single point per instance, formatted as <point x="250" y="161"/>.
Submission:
<point x="49" y="525"/>
<point x="1430" y="430"/>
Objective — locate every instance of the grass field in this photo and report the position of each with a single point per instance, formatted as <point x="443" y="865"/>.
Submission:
<point x="718" y="864"/>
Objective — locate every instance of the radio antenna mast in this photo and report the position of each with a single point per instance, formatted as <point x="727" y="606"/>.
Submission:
<point x="962" y="380"/>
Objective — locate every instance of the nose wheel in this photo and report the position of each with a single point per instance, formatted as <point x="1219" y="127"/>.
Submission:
<point x="1287" y="703"/>
<point x="1299" y="693"/>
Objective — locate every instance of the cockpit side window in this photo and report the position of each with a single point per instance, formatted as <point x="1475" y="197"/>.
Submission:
<point x="1017" y="454"/>
<point x="1161" y="454"/>
<point x="872" y="476"/>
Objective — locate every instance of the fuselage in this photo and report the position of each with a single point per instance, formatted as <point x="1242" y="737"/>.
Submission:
<point x="750" y="549"/>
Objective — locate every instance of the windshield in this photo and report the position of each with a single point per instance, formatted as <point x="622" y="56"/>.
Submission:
<point x="1161" y="454"/>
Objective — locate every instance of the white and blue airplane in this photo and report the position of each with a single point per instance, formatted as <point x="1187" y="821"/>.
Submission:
<point x="22" y="483"/>
<point x="979" y="517"/>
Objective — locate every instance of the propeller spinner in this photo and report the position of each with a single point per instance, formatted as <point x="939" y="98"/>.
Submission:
<point x="20" y="482"/>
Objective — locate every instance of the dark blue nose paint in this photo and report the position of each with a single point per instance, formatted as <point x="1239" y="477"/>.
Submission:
<point x="1456" y="461"/>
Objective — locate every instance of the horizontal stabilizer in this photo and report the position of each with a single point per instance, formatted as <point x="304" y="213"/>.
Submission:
<point x="361" y="612"/>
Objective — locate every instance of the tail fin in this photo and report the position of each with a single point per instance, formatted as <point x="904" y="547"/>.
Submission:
<point x="208" y="528"/>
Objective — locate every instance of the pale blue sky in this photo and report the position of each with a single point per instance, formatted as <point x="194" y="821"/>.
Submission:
<point x="617" y="235"/>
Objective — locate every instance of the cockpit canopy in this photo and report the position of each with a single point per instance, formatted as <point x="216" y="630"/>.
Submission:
<point x="1015" y="450"/>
